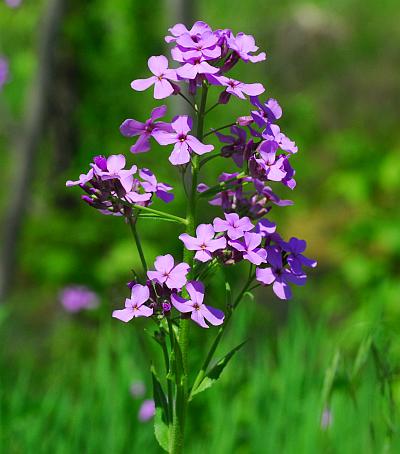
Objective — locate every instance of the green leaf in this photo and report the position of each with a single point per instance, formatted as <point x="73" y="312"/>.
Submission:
<point x="330" y="375"/>
<point x="161" y="428"/>
<point x="362" y="355"/>
<point x="213" y="375"/>
<point x="176" y="362"/>
<point x="157" y="218"/>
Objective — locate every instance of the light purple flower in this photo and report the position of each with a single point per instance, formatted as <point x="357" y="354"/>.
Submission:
<point x="268" y="112"/>
<point x="204" y="242"/>
<point x="326" y="419"/>
<point x="278" y="276"/>
<point x="199" y="311"/>
<point x="243" y="45"/>
<point x="178" y="30"/>
<point x="196" y="66"/>
<point x="4" y="72"/>
<point x="249" y="246"/>
<point x="137" y="389"/>
<point x="296" y="260"/>
<point x="135" y="305"/>
<point x="147" y="410"/>
<point x="174" y="277"/>
<point x="203" y="47"/>
<point x="78" y="297"/>
<point x="269" y="167"/>
<point x="237" y="88"/>
<point x="131" y="128"/>
<point x="273" y="133"/>
<point x="184" y="143"/>
<point x="83" y="179"/>
<point x="151" y="185"/>
<point x="233" y="225"/>
<point x="13" y="3"/>
<point x="163" y="88"/>
<point x="115" y="170"/>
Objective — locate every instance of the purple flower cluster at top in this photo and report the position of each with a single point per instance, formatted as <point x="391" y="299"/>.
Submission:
<point x="111" y="188"/>
<point x="78" y="297"/>
<point x="4" y="72"/>
<point x="13" y="3"/>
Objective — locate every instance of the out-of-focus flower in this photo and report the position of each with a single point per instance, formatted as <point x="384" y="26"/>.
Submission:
<point x="4" y="71"/>
<point x="204" y="242"/>
<point x="161" y="79"/>
<point x="147" y="410"/>
<point x="195" y="306"/>
<point x="137" y="389"/>
<point x="13" y="3"/>
<point x="75" y="298"/>
<point x="326" y="419"/>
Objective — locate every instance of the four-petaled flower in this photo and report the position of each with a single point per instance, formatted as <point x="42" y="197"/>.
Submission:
<point x="113" y="168"/>
<point x="249" y="246"/>
<point x="158" y="65"/>
<point x="278" y="276"/>
<point x="235" y="87"/>
<point x="132" y="128"/>
<point x="174" y="277"/>
<point x="204" y="242"/>
<point x="199" y="311"/>
<point x="296" y="260"/>
<point x="233" y="225"/>
<point x="151" y="185"/>
<point x="184" y="143"/>
<point x="243" y="44"/>
<point x="135" y="305"/>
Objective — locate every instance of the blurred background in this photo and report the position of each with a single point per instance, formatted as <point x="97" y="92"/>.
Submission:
<point x="320" y="372"/>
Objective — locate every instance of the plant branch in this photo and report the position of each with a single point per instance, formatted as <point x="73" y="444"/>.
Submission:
<point x="220" y="129"/>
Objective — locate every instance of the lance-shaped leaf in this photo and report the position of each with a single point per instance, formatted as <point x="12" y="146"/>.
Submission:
<point x="161" y="429"/>
<point x="215" y="372"/>
<point x="176" y="362"/>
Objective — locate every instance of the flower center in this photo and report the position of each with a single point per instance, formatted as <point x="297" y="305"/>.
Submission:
<point x="182" y="137"/>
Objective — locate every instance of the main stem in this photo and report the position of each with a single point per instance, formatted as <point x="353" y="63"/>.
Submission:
<point x="178" y="427"/>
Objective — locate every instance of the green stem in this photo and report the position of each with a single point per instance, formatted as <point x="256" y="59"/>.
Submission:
<point x="160" y="213"/>
<point x="132" y="223"/>
<point x="188" y="101"/>
<point x="218" y="337"/>
<point x="220" y="128"/>
<point x="178" y="427"/>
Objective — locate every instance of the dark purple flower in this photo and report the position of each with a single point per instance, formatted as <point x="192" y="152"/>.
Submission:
<point x="78" y="297"/>
<point x="131" y="128"/>
<point x="151" y="185"/>
<point x="184" y="143"/>
<point x="195" y="306"/>
<point x="265" y="227"/>
<point x="268" y="112"/>
<point x="278" y="275"/>
<point x="204" y="242"/>
<point x="147" y="410"/>
<point x="249" y="246"/>
<point x="233" y="225"/>
<point x="296" y="260"/>
<point x="163" y="88"/>
<point x="173" y="276"/>
<point x="236" y="144"/>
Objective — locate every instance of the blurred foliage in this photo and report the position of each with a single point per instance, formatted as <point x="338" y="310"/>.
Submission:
<point x="334" y="68"/>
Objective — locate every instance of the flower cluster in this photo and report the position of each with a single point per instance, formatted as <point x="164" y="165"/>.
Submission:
<point x="112" y="189"/>
<point x="75" y="298"/>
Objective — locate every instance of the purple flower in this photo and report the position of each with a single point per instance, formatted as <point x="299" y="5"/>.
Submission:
<point x="137" y="389"/>
<point x="178" y="30"/>
<point x="77" y="297"/>
<point x="174" y="277"/>
<point x="243" y="45"/>
<point x="249" y="247"/>
<point x="265" y="227"/>
<point x="131" y="128"/>
<point x="147" y="410"/>
<point x="237" y="88"/>
<point x="267" y="192"/>
<point x="134" y="306"/>
<point x="199" y="311"/>
<point x="278" y="276"/>
<point x="203" y="47"/>
<point x="296" y="260"/>
<point x="13" y="3"/>
<point x="163" y="88"/>
<point x="269" y="166"/>
<point x="4" y="72"/>
<point x="83" y="179"/>
<point x="236" y="144"/>
<point x="151" y="185"/>
<point x="273" y="133"/>
<point x="204" y="242"/>
<point x="194" y="67"/>
<point x="115" y="170"/>
<point x="233" y="225"/>
<point x="184" y="143"/>
<point x="326" y="419"/>
<point x="268" y="112"/>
